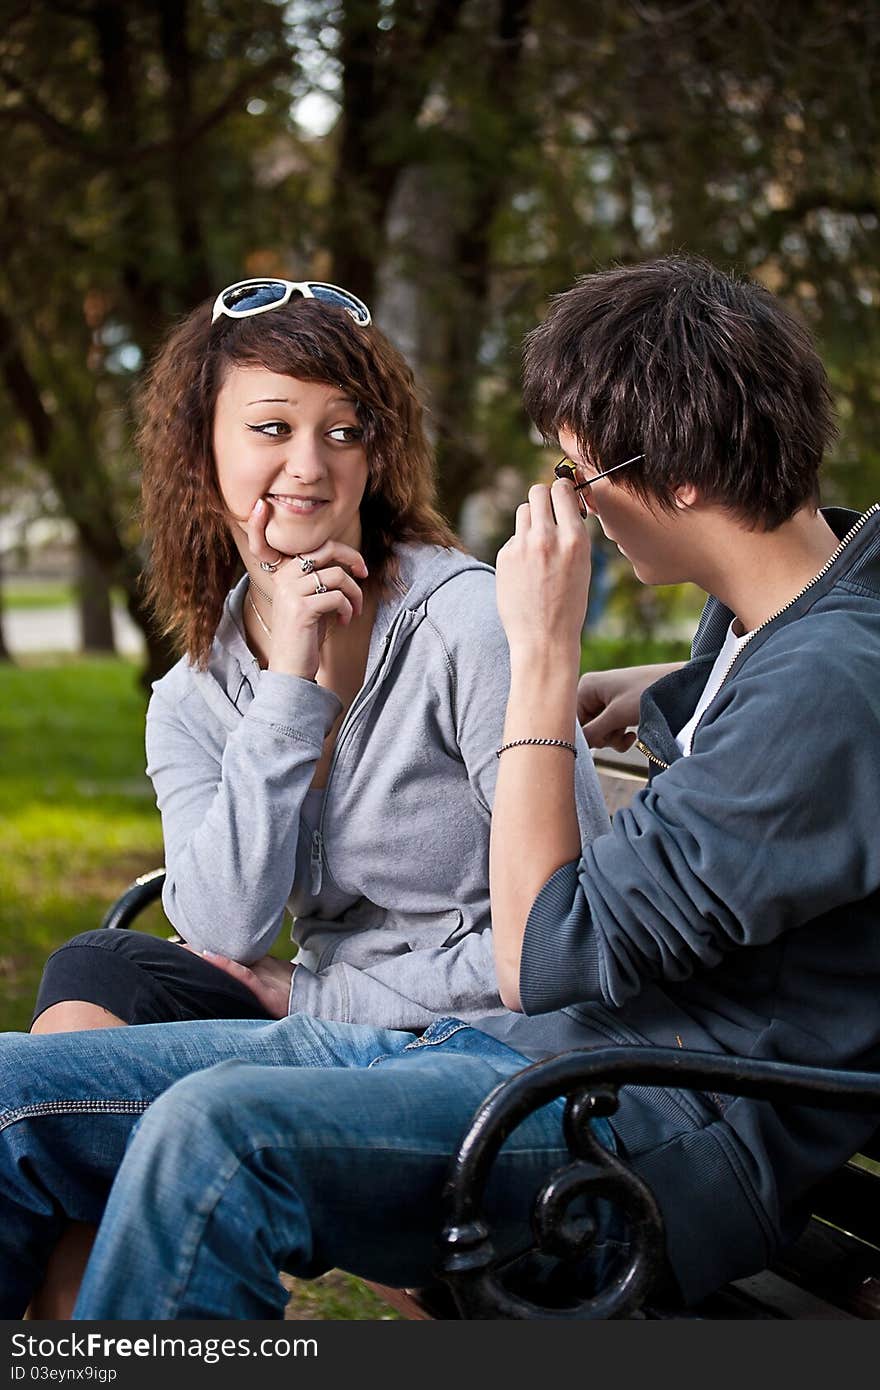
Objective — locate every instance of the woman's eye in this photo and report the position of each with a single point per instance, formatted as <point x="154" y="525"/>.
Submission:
<point x="273" y="429"/>
<point x="346" y="434"/>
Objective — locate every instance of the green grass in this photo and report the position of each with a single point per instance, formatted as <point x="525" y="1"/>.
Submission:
<point x="77" y="812"/>
<point x="22" y="593"/>
<point x="335" y="1295"/>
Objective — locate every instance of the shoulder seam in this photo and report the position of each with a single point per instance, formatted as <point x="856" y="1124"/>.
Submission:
<point x="435" y="598"/>
<point x="172" y="705"/>
<point x="450" y="667"/>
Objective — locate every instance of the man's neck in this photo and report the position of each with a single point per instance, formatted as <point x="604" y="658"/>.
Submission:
<point x="759" y="572"/>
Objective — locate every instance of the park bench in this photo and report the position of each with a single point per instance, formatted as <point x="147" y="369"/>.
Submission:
<point x="831" y="1272"/>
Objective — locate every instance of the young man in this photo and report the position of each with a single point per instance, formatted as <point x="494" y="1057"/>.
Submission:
<point x="734" y="908"/>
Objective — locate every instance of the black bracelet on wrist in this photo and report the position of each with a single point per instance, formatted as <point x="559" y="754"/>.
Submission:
<point x="541" y="742"/>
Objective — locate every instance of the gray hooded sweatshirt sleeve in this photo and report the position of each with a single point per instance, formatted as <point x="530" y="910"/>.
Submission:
<point x="389" y="894"/>
<point x="230" y="807"/>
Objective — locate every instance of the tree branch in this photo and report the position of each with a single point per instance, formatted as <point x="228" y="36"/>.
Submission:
<point x="35" y="113"/>
<point x="114" y="156"/>
<point x="23" y="389"/>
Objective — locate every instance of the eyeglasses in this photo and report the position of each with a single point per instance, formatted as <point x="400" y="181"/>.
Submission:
<point x="566" y="469"/>
<point x="247" y="297"/>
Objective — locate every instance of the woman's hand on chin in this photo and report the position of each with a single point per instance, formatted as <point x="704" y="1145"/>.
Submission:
<point x="307" y="591"/>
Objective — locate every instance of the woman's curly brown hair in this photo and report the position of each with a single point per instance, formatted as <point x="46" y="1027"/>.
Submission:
<point x="193" y="559"/>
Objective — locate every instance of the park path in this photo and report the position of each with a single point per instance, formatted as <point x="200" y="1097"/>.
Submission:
<point x="30" y="630"/>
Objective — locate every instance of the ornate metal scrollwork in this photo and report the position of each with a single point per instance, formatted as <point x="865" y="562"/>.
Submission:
<point x="590" y="1080"/>
<point x="594" y="1175"/>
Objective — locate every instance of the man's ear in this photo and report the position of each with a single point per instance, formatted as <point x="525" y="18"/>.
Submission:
<point x="685" y="496"/>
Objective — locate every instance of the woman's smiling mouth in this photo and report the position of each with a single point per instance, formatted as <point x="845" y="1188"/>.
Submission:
<point x="300" y="506"/>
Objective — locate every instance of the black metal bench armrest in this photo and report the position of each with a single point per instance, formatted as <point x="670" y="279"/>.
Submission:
<point x="139" y="895"/>
<point x="590" y="1080"/>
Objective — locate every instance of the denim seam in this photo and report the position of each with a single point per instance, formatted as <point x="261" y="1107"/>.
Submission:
<point x="47" y="1109"/>
<point x="191" y="1239"/>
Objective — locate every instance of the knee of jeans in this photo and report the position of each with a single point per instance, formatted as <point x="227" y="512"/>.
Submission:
<point x="16" y="1071"/>
<point x="215" y="1101"/>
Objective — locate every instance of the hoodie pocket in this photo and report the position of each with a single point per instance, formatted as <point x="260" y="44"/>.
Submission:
<point x="425" y="930"/>
<point x="364" y="943"/>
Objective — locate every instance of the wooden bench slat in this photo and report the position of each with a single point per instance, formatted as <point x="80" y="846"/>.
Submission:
<point x="848" y="1200"/>
<point x="419" y="1305"/>
<point x="618" y="787"/>
<point x="777" y="1297"/>
<point x="835" y="1266"/>
<point x="871" y="1150"/>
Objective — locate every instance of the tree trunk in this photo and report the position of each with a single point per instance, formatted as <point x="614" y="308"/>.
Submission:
<point x="161" y="653"/>
<point x="385" y="77"/>
<point x="193" y="273"/>
<point x="452" y="251"/>
<point x="87" y="501"/>
<point x="95" y="615"/>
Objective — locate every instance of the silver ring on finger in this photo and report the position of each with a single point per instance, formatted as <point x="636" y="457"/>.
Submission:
<point x="319" y="587"/>
<point x="270" y="566"/>
<point x="306" y="565"/>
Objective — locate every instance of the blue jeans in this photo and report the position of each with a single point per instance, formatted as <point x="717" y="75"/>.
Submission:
<point x="232" y="1150"/>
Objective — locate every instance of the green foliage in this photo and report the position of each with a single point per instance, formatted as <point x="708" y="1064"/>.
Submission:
<point x="644" y="611"/>
<point x="743" y="132"/>
<point x="607" y="653"/>
<point x="141" y="166"/>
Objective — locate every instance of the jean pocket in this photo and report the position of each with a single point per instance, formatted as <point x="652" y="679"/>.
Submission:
<point x="440" y="1031"/>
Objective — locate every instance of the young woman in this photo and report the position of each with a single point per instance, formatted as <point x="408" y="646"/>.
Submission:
<point x="332" y="714"/>
<point x="326" y="747"/>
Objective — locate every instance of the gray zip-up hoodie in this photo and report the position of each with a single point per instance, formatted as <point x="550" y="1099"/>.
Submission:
<point x="387" y="878"/>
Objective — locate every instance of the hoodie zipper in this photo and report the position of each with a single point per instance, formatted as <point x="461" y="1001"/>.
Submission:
<point x="364" y="695"/>
<point x="853" y="531"/>
<point x="652" y="757"/>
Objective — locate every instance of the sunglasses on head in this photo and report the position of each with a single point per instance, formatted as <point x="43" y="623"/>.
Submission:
<point x="567" y="470"/>
<point x="248" y="297"/>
